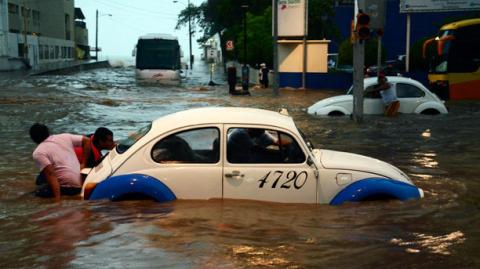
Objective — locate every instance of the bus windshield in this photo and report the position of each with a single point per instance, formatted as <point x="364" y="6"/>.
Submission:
<point x="158" y="54"/>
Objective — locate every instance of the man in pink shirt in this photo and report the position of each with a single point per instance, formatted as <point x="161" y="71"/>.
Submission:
<point x="56" y="159"/>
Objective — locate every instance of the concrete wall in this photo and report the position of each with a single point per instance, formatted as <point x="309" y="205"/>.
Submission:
<point x="53" y="19"/>
<point x="18" y="23"/>
<point x="81" y="35"/>
<point x="3" y="28"/>
<point x="290" y="53"/>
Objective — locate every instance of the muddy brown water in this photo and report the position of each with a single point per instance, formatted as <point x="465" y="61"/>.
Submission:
<point x="440" y="153"/>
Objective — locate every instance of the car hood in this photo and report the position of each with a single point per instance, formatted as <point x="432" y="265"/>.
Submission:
<point x="330" y="101"/>
<point x="348" y="161"/>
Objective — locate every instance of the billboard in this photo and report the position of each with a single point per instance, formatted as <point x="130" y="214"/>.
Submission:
<point x="411" y="6"/>
<point x="291" y="18"/>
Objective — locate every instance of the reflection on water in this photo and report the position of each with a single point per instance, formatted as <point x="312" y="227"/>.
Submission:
<point x="440" y="154"/>
<point x="434" y="244"/>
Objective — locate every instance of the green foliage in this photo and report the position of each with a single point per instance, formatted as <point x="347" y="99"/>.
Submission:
<point x="259" y="39"/>
<point x="225" y="17"/>
<point x="345" y="52"/>
<point x="321" y="22"/>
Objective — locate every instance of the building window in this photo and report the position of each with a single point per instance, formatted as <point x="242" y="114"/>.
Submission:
<point x="12" y="8"/>
<point x="36" y="17"/>
<point x="40" y="52"/>
<point x="67" y="27"/>
<point x="52" y="52"/>
<point x="26" y="12"/>
<point x="21" y="50"/>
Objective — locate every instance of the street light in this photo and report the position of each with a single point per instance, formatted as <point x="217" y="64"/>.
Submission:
<point x="189" y="31"/>
<point x="245" y="71"/>
<point x="96" y="33"/>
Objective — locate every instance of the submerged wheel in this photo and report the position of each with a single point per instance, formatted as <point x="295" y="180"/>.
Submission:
<point x="336" y="113"/>
<point x="430" y="111"/>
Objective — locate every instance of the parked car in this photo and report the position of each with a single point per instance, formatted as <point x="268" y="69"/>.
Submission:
<point x="413" y="97"/>
<point x="193" y="155"/>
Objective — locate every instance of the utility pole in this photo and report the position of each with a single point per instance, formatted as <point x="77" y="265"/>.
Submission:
<point x="25" y="29"/>
<point x="190" y="34"/>
<point x="305" y="33"/>
<point x="245" y="69"/>
<point x="358" y="66"/>
<point x="96" y="37"/>
<point x="275" y="48"/>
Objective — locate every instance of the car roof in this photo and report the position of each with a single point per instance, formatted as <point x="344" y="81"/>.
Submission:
<point x="373" y="80"/>
<point x="223" y="115"/>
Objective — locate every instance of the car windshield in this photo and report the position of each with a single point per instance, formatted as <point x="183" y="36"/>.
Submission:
<point x="132" y="138"/>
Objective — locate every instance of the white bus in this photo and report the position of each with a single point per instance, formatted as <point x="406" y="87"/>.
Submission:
<point x="158" y="58"/>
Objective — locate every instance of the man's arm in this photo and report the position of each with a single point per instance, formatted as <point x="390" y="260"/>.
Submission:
<point x="86" y="147"/>
<point x="52" y="181"/>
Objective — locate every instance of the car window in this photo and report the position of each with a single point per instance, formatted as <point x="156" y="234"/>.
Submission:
<point x="256" y="145"/>
<point x="132" y="138"/>
<point x="408" y="91"/>
<point x="370" y="92"/>
<point x="192" y="146"/>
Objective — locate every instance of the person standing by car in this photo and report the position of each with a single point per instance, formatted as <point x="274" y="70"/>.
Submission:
<point x="102" y="139"/>
<point x="55" y="157"/>
<point x="389" y="96"/>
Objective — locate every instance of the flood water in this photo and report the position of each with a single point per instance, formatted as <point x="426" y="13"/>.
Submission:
<point x="440" y="153"/>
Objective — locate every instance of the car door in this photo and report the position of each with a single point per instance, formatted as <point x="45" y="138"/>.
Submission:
<point x="410" y="97"/>
<point x="266" y="171"/>
<point x="372" y="101"/>
<point x="188" y="162"/>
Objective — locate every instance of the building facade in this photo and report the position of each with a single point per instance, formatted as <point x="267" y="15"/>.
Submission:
<point x="36" y="32"/>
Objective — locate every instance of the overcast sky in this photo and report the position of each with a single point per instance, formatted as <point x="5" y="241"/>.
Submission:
<point x="118" y="34"/>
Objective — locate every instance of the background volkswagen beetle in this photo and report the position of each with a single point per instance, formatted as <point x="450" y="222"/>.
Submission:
<point x="188" y="155"/>
<point x="413" y="97"/>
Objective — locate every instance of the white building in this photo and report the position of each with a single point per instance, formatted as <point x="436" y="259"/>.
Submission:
<point x="36" y="32"/>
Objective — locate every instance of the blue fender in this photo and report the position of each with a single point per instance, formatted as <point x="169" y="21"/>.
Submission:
<point x="369" y="187"/>
<point x="115" y="187"/>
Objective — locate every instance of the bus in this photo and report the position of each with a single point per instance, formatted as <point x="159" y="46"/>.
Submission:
<point x="454" y="60"/>
<point x="157" y="58"/>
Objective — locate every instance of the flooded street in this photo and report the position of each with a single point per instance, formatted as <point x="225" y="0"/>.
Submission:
<point x="440" y="153"/>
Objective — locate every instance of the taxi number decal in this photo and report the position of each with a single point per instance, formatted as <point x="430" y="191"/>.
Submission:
<point x="299" y="179"/>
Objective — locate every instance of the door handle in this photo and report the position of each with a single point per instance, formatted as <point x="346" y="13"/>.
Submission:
<point x="234" y="175"/>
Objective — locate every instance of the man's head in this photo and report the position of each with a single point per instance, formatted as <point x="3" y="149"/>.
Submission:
<point x="39" y="132"/>
<point x="382" y="78"/>
<point x="103" y="139"/>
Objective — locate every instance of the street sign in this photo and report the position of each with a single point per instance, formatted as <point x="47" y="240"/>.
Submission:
<point x="410" y="6"/>
<point x="376" y="10"/>
<point x="229" y="45"/>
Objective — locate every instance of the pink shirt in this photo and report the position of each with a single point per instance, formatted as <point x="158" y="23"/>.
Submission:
<point x="57" y="150"/>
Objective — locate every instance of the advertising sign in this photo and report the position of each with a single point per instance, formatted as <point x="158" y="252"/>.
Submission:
<point x="411" y="6"/>
<point x="291" y="18"/>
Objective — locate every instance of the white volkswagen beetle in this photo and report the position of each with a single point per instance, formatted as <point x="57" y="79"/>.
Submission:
<point x="413" y="97"/>
<point x="238" y="153"/>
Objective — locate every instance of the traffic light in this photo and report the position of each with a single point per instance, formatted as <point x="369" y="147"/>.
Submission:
<point x="363" y="28"/>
